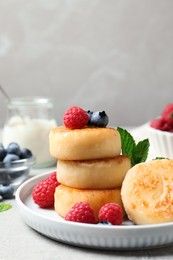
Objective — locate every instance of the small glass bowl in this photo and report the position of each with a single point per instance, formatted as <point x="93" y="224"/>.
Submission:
<point x="161" y="142"/>
<point x="15" y="172"/>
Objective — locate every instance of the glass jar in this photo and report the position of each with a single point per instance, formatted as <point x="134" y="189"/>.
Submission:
<point x="29" y="121"/>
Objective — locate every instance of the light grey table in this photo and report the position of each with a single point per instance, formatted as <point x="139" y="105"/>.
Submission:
<point x="18" y="242"/>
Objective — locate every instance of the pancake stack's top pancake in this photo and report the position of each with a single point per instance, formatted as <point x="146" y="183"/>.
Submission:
<point x="84" y="144"/>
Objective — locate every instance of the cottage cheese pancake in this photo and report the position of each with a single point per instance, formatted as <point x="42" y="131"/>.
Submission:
<point x="66" y="197"/>
<point x="147" y="192"/>
<point x="93" y="174"/>
<point x="84" y="144"/>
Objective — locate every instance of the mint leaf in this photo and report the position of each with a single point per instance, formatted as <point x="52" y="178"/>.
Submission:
<point x="5" y="206"/>
<point x="140" y="152"/>
<point x="127" y="142"/>
<point x="137" y="152"/>
<point x="160" y="158"/>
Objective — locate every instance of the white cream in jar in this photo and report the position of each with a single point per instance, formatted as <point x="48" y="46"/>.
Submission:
<point x="30" y="133"/>
<point x="30" y="128"/>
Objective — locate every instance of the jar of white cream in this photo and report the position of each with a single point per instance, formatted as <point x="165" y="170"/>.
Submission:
<point x="29" y="121"/>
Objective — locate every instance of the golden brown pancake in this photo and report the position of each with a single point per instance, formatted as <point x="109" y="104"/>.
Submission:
<point x="147" y="192"/>
<point x="66" y="197"/>
<point x="84" y="144"/>
<point x="93" y="174"/>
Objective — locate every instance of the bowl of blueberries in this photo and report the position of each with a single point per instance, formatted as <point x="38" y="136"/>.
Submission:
<point x="15" y="164"/>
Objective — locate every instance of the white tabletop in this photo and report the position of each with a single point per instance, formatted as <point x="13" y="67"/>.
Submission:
<point x="18" y="241"/>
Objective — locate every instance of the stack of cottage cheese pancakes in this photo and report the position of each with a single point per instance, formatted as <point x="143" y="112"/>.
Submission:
<point x="90" y="167"/>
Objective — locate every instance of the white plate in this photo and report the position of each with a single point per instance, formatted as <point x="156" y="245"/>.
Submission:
<point x="126" y="236"/>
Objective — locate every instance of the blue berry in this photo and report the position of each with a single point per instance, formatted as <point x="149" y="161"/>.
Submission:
<point x="89" y="113"/>
<point x="7" y="191"/>
<point x="25" y="153"/>
<point x="3" y="152"/>
<point x="10" y="158"/>
<point x="105" y="223"/>
<point x="1" y="198"/>
<point x="98" y="119"/>
<point x="14" y="148"/>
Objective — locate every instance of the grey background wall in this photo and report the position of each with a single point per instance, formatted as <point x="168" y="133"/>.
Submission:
<point x="99" y="54"/>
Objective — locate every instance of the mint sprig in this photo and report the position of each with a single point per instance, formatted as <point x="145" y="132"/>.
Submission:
<point x="137" y="152"/>
<point x="127" y="142"/>
<point x="140" y="152"/>
<point x="160" y="158"/>
<point x="5" y="206"/>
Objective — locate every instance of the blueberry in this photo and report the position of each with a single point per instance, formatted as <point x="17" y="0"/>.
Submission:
<point x="14" y="148"/>
<point x="25" y="153"/>
<point x="1" y="198"/>
<point x="105" y="223"/>
<point x="10" y="158"/>
<point x="99" y="119"/>
<point x="89" y="113"/>
<point x="2" y="152"/>
<point x="7" y="191"/>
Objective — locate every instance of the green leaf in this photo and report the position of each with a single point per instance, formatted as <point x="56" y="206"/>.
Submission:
<point x="160" y="158"/>
<point x="140" y="152"/>
<point x="5" y="206"/>
<point x="127" y="142"/>
<point x="137" y="152"/>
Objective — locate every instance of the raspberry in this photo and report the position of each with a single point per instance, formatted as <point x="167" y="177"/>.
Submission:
<point x="167" y="112"/>
<point x="162" y="124"/>
<point x="112" y="213"/>
<point x="81" y="212"/>
<point x="75" y="118"/>
<point x="167" y="125"/>
<point x="165" y="122"/>
<point x="52" y="176"/>
<point x="43" y="192"/>
<point x="157" y="123"/>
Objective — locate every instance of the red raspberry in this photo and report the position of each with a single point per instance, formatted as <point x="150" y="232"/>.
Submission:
<point x="43" y="192"/>
<point x="167" y="125"/>
<point x="162" y="124"/>
<point x="52" y="176"/>
<point x="75" y="118"/>
<point x="167" y="112"/>
<point x="81" y="212"/>
<point x="157" y="123"/>
<point x="112" y="213"/>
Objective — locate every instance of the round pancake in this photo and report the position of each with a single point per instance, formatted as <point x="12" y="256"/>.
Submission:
<point x="66" y="197"/>
<point x="84" y="144"/>
<point x="93" y="174"/>
<point x="147" y="192"/>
